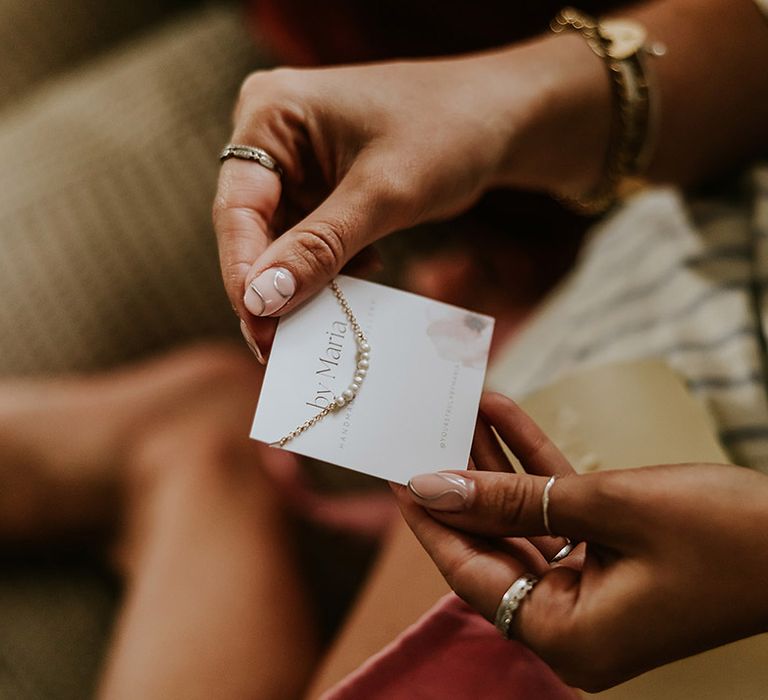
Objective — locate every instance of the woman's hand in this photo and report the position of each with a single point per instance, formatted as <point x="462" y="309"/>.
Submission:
<point x="370" y="149"/>
<point x="676" y="560"/>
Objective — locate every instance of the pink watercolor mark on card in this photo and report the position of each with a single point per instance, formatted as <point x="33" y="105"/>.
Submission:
<point x="460" y="336"/>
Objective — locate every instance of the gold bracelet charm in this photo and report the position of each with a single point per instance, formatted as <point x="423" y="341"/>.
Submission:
<point x="621" y="44"/>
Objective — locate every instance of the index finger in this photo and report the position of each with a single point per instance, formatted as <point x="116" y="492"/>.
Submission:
<point x="243" y="210"/>
<point x="478" y="572"/>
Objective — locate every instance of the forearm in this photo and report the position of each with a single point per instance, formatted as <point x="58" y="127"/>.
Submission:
<point x="710" y="91"/>
<point x="712" y="85"/>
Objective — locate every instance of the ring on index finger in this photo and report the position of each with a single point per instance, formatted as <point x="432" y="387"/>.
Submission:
<point x="545" y="504"/>
<point x="258" y="155"/>
<point x="564" y="552"/>
<point x="569" y="546"/>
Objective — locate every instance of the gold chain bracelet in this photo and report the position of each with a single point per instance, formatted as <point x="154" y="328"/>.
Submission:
<point x="361" y="369"/>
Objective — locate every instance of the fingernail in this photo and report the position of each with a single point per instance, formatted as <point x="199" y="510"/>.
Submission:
<point x="252" y="344"/>
<point x="442" y="491"/>
<point x="269" y="291"/>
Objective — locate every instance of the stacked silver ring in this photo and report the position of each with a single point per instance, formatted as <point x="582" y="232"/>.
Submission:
<point x="564" y="552"/>
<point x="569" y="546"/>
<point x="511" y="601"/>
<point x="259" y="155"/>
<point x="545" y="504"/>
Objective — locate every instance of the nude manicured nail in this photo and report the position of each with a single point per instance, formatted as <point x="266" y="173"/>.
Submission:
<point x="442" y="491"/>
<point x="252" y="344"/>
<point x="269" y="291"/>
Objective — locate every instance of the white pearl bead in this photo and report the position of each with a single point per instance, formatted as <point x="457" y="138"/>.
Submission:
<point x="361" y="372"/>
<point x="348" y="394"/>
<point x="340" y="401"/>
<point x="363" y="364"/>
<point x="364" y="347"/>
<point x="354" y="387"/>
<point x="364" y="356"/>
<point x="358" y="378"/>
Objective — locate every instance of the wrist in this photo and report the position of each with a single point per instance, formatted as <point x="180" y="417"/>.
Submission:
<point x="559" y="144"/>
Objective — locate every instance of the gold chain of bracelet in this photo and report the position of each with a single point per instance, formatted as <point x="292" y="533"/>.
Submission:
<point x="361" y="370"/>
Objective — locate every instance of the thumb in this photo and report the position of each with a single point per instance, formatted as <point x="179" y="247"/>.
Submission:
<point x="304" y="259"/>
<point x="499" y="504"/>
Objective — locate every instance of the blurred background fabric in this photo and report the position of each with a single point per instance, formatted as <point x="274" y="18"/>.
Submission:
<point x="40" y="39"/>
<point x="107" y="174"/>
<point x="111" y="118"/>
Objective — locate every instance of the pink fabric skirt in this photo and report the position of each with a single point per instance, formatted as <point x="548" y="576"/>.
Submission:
<point x="452" y="653"/>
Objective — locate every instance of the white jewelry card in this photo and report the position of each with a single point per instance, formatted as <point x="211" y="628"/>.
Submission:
<point x="415" y="411"/>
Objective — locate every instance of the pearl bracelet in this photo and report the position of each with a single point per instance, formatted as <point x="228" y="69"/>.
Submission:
<point x="361" y="370"/>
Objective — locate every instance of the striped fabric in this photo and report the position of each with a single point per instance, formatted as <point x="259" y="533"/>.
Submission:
<point x="686" y="281"/>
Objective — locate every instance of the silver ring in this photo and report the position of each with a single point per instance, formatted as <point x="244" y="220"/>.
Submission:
<point x="545" y="503"/>
<point x="511" y="601"/>
<point x="564" y="552"/>
<point x="258" y="155"/>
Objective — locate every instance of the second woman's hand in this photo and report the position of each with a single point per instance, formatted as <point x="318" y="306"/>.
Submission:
<point x="675" y="559"/>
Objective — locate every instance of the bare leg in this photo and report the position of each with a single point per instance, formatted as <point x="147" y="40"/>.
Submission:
<point x="63" y="441"/>
<point x="214" y="608"/>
